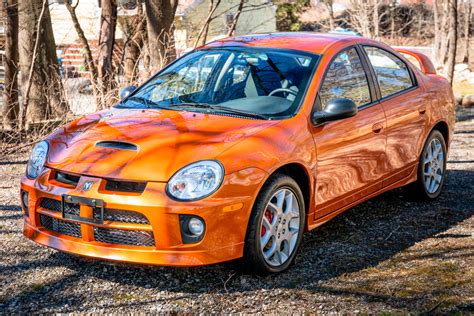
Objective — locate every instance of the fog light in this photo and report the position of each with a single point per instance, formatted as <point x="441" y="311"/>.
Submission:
<point x="196" y="226"/>
<point x="193" y="228"/>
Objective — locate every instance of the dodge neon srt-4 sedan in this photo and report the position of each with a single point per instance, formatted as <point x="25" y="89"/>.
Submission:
<point x="237" y="148"/>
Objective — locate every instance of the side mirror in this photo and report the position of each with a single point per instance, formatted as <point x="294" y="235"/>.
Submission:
<point x="336" y="109"/>
<point x="125" y="92"/>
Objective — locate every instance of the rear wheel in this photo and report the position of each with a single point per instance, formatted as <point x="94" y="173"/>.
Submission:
<point x="275" y="226"/>
<point x="431" y="169"/>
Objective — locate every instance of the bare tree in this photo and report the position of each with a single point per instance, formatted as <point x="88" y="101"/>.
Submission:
<point x="10" y="92"/>
<point x="90" y="65"/>
<point x="134" y="45"/>
<point x="329" y="7"/>
<point x="160" y="18"/>
<point x="233" y="25"/>
<point x="440" y="9"/>
<point x="375" y="18"/>
<point x="43" y="94"/>
<point x="467" y="22"/>
<point x="108" y="22"/>
<point x="452" y="37"/>
<point x="202" y="35"/>
<point x="361" y="17"/>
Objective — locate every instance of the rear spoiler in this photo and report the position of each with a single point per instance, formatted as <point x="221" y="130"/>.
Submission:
<point x="426" y="65"/>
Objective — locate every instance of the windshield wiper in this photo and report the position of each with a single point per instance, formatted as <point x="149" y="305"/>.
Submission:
<point x="148" y="103"/>
<point x="222" y="109"/>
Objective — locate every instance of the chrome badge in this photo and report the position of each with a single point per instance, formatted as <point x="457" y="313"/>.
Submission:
<point x="87" y="185"/>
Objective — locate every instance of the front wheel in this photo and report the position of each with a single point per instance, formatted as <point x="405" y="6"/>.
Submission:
<point x="275" y="226"/>
<point x="431" y="169"/>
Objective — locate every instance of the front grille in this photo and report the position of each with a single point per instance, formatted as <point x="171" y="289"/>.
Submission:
<point x="125" y="186"/>
<point x="121" y="216"/>
<point x="124" y="237"/>
<point x="50" y="204"/>
<point x="60" y="226"/>
<point x="55" y="205"/>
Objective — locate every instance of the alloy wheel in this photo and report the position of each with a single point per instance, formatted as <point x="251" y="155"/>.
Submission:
<point x="280" y="227"/>
<point x="433" y="166"/>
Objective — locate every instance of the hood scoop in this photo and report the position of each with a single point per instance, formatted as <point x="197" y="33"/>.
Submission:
<point x="117" y="145"/>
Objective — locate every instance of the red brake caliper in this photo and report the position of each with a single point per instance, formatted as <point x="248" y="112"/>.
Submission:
<point x="269" y="216"/>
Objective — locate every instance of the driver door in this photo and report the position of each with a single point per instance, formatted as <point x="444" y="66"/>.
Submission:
<point x="350" y="152"/>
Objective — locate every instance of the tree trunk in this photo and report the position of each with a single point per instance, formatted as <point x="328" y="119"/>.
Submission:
<point x="108" y="22"/>
<point x="43" y="94"/>
<point x="133" y="48"/>
<point x="90" y="65"/>
<point x="332" y="24"/>
<point x="467" y="29"/>
<point x="392" y="19"/>
<point x="453" y="26"/>
<point x="444" y="33"/>
<point x="376" y="18"/>
<point x="160" y="18"/>
<point x="11" y="107"/>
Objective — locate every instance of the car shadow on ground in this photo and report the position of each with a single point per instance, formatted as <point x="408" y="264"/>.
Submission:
<point x="360" y="238"/>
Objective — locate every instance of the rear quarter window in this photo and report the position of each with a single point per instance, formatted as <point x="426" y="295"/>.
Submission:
<point x="392" y="73"/>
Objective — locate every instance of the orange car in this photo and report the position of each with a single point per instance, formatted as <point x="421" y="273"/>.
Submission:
<point x="237" y="148"/>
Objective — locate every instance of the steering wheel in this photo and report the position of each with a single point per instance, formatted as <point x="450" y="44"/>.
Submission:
<point x="287" y="90"/>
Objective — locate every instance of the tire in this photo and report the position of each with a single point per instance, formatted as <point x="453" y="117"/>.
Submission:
<point x="427" y="188"/>
<point x="279" y="229"/>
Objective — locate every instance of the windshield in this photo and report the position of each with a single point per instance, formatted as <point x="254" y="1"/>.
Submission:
<point x="253" y="82"/>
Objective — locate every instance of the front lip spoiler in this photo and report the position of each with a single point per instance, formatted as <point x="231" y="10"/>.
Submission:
<point x="131" y="254"/>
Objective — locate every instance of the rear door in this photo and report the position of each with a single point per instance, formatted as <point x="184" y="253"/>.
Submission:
<point x="350" y="152"/>
<point x="404" y="102"/>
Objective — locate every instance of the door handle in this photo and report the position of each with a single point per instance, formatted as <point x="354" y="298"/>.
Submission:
<point x="377" y="128"/>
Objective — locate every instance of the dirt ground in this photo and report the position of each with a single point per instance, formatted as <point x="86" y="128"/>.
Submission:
<point x="385" y="255"/>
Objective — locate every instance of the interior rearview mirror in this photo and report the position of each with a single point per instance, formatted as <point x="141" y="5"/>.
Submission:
<point x="125" y="92"/>
<point x="336" y="109"/>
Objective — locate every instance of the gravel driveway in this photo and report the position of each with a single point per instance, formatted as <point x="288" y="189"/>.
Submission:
<point x="387" y="254"/>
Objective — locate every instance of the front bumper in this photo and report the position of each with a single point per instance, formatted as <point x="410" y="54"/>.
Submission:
<point x="225" y="213"/>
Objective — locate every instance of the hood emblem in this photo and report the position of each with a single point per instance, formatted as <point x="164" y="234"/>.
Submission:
<point x="87" y="185"/>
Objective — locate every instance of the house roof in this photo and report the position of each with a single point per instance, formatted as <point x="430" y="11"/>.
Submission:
<point x="306" y="41"/>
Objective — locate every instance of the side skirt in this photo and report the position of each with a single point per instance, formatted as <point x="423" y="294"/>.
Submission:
<point x="322" y="220"/>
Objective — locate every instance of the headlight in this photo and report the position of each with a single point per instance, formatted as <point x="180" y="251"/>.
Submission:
<point x="37" y="160"/>
<point x="196" y="181"/>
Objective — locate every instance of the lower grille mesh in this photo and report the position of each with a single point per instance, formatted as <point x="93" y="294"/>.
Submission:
<point x="121" y="216"/>
<point x="60" y="226"/>
<point x="55" y="205"/>
<point x="124" y="237"/>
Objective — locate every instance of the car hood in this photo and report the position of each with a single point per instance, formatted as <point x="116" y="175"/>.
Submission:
<point x="165" y="141"/>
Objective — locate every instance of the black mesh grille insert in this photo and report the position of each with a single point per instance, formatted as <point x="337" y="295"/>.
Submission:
<point x="50" y="204"/>
<point x="125" y="186"/>
<point x="60" y="226"/>
<point x="124" y="237"/>
<point x="121" y="216"/>
<point x="55" y="205"/>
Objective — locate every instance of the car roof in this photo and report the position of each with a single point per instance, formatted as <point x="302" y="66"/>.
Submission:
<point x="316" y="43"/>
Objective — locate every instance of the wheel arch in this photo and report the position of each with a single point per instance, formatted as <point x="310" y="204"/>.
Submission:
<point x="443" y="128"/>
<point x="300" y="174"/>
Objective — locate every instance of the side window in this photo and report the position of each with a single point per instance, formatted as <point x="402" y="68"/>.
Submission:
<point x="392" y="73"/>
<point x="346" y="78"/>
